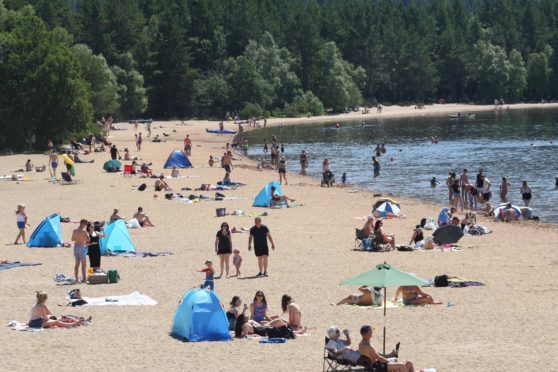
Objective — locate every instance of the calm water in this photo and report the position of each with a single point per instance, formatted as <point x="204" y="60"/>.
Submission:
<point x="517" y="144"/>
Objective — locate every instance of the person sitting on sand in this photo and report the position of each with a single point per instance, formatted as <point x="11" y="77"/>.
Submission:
<point x="42" y="318"/>
<point x="413" y="295"/>
<point x="235" y="311"/>
<point x="114" y="216"/>
<point x="160" y="184"/>
<point x="146" y="170"/>
<point x="366" y="349"/>
<point x="142" y="218"/>
<point x="29" y="166"/>
<point x="127" y="154"/>
<point x="367" y="297"/>
<point x="175" y="173"/>
<point x="417" y="240"/>
<point x="293" y="309"/>
<point x="381" y="237"/>
<point x="277" y="199"/>
<point x="211" y="161"/>
<point x="341" y="350"/>
<point x="507" y="214"/>
<point x="78" y="160"/>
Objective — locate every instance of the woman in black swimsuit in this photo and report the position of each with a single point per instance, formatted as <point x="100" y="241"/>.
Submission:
<point x="282" y="169"/>
<point x="223" y="247"/>
<point x="94" y="249"/>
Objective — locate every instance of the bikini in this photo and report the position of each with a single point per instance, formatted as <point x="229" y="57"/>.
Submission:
<point x="259" y="312"/>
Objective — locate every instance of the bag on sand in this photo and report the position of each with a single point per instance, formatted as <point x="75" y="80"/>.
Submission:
<point x="280" y="332"/>
<point x="142" y="187"/>
<point x="113" y="276"/>
<point x="441" y="281"/>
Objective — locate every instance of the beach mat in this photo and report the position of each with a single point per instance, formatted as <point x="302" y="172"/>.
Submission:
<point x="132" y="299"/>
<point x="14" y="325"/>
<point x="11" y="265"/>
<point x="389" y="305"/>
<point x="138" y="254"/>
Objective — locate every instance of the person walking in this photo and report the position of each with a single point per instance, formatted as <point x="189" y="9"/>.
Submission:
<point x="259" y="234"/>
<point x="21" y="219"/>
<point x="282" y="170"/>
<point x="223" y="247"/>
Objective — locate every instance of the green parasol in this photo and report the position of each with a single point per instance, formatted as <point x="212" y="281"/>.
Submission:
<point x="385" y="276"/>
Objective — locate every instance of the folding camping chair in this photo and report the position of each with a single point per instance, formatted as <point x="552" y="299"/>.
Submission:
<point x="331" y="363"/>
<point x="359" y="237"/>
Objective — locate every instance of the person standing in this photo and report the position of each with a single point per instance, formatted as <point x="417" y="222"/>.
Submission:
<point x="114" y="153"/>
<point x="504" y="190"/>
<point x="93" y="248"/>
<point x="525" y="191"/>
<point x="80" y="237"/>
<point x="227" y="162"/>
<point x="139" y="140"/>
<point x="53" y="160"/>
<point x="303" y="161"/>
<point x="486" y="193"/>
<point x="282" y="170"/>
<point x="223" y="247"/>
<point x="376" y="166"/>
<point x="463" y="181"/>
<point x="21" y="219"/>
<point x="259" y="234"/>
<point x="148" y="130"/>
<point x="188" y="145"/>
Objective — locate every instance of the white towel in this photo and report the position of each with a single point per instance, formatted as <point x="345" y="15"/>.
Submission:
<point x="133" y="299"/>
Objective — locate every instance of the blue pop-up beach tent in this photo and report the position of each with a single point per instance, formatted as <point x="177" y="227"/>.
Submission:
<point x="116" y="238"/>
<point x="200" y="317"/>
<point x="178" y="158"/>
<point x="48" y="233"/>
<point x="263" y="199"/>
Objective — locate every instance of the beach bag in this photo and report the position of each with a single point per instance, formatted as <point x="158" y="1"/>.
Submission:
<point x="441" y="281"/>
<point x="221" y="212"/>
<point x="98" y="278"/>
<point x="74" y="294"/>
<point x="142" y="187"/>
<point x="280" y="332"/>
<point x="113" y="276"/>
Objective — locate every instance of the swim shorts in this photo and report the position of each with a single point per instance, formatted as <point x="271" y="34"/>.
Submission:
<point x="355" y="299"/>
<point x="20" y="225"/>
<point x="80" y="252"/>
<point x="36" y="323"/>
<point x="227" y="168"/>
<point x="261" y="251"/>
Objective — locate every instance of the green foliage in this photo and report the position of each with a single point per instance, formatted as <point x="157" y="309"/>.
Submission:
<point x="133" y="98"/>
<point x="538" y="76"/>
<point x="252" y="110"/>
<point x="42" y="94"/>
<point x="304" y="104"/>
<point x="211" y="96"/>
<point x="247" y="85"/>
<point x="101" y="80"/>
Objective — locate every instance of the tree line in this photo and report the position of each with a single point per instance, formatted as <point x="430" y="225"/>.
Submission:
<point x="65" y="62"/>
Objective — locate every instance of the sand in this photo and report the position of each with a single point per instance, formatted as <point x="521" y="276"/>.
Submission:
<point x="507" y="325"/>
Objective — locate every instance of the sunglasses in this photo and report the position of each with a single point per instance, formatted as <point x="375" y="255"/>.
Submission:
<point x="259" y="295"/>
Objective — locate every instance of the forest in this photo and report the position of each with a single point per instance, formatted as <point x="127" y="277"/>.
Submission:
<point x="66" y="63"/>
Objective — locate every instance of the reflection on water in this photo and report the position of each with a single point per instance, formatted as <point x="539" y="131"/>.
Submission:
<point x="517" y="144"/>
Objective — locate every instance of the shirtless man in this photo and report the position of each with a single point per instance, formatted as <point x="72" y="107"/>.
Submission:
<point x="367" y="297"/>
<point x="413" y="295"/>
<point x="366" y="349"/>
<point x="114" y="216"/>
<point x="188" y="145"/>
<point x="227" y="162"/>
<point x="53" y="160"/>
<point x="142" y="218"/>
<point x="80" y="237"/>
<point x="160" y="184"/>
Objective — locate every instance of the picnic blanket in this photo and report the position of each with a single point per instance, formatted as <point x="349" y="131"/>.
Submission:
<point x="292" y="205"/>
<point x="241" y="213"/>
<point x="138" y="254"/>
<point x="11" y="265"/>
<point x="132" y="299"/>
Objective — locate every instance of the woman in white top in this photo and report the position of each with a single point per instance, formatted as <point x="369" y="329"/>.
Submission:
<point x="21" y="219"/>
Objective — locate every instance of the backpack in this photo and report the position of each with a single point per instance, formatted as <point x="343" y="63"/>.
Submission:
<point x="142" y="187"/>
<point x="113" y="276"/>
<point x="280" y="332"/>
<point x="441" y="281"/>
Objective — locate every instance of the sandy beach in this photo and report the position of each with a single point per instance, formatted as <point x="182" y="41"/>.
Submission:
<point x="507" y="325"/>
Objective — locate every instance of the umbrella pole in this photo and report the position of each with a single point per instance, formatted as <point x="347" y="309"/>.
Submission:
<point x="385" y="299"/>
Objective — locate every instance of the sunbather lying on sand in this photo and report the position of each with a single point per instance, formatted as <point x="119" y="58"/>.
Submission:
<point x="367" y="297"/>
<point x="413" y="295"/>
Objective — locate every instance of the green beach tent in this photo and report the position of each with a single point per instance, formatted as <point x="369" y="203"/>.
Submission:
<point x="112" y="166"/>
<point x="385" y="276"/>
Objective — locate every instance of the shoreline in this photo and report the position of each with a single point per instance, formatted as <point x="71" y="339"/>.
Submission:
<point x="314" y="253"/>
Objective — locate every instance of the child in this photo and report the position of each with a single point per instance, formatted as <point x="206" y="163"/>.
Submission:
<point x="209" y="274"/>
<point x="21" y="218"/>
<point x="344" y="178"/>
<point x="237" y="261"/>
<point x="211" y="161"/>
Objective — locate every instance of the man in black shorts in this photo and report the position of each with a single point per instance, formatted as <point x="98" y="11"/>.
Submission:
<point x="259" y="234"/>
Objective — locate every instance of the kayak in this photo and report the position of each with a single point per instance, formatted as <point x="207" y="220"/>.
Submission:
<point x="463" y="116"/>
<point x="224" y="131"/>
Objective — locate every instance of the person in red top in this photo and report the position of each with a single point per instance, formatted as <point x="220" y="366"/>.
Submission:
<point x="188" y="145"/>
<point x="209" y="271"/>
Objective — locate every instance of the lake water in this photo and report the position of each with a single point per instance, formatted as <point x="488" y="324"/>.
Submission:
<point x="516" y="144"/>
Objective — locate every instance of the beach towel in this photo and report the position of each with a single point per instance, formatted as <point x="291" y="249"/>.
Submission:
<point x="63" y="279"/>
<point x="11" y="265"/>
<point x="273" y="340"/>
<point x="138" y="254"/>
<point x="14" y="325"/>
<point x="389" y="305"/>
<point x="132" y="299"/>
<point x="292" y="205"/>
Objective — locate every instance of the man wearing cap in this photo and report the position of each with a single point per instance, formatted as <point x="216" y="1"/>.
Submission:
<point x="367" y="350"/>
<point x="260" y="234"/>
